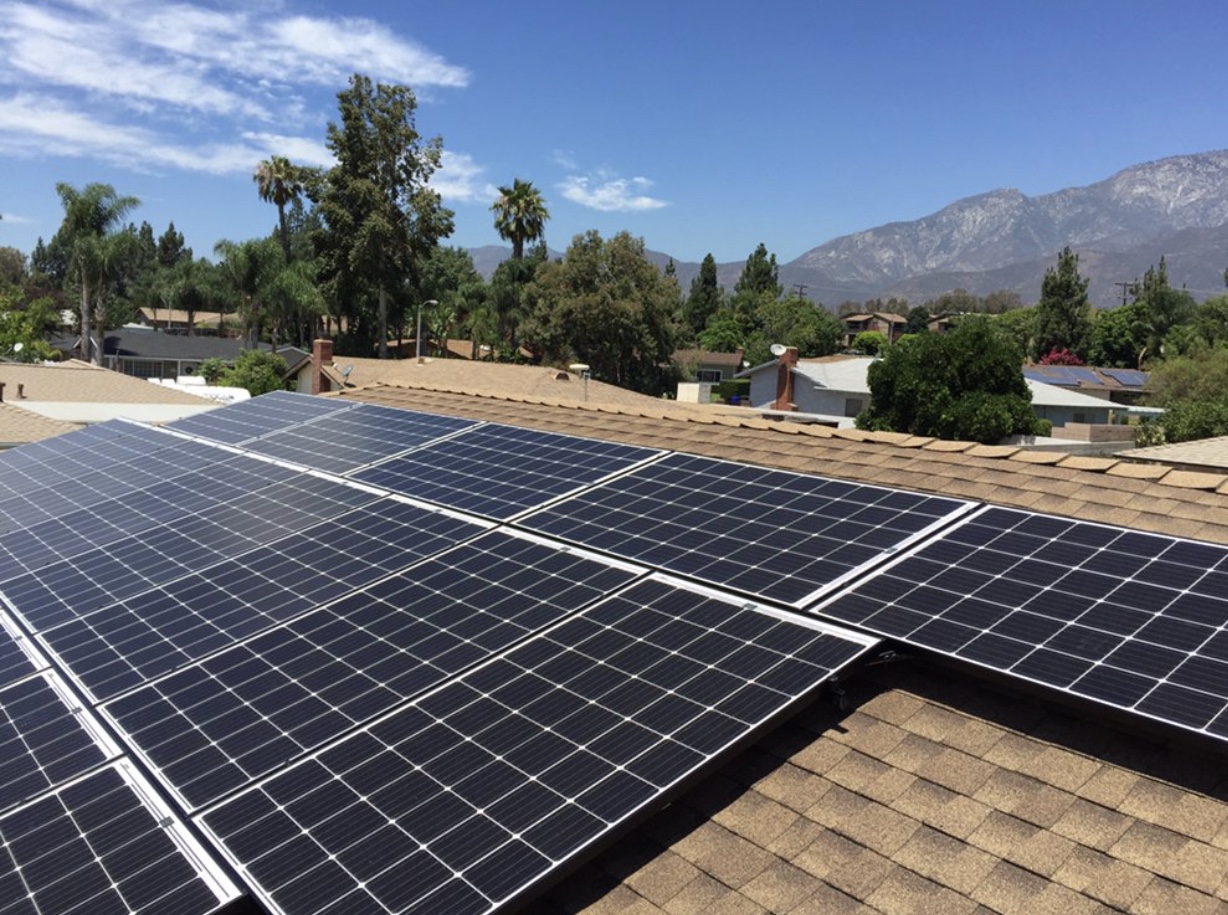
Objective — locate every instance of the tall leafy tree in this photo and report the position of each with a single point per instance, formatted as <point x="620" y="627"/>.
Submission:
<point x="380" y="216"/>
<point x="1162" y="308"/>
<point x="96" y="250"/>
<point x="247" y="270"/>
<point x="967" y="384"/>
<point x="1063" y="315"/>
<point x="760" y="274"/>
<point x="605" y="304"/>
<point x="705" y="297"/>
<point x="280" y="182"/>
<point x="520" y="215"/>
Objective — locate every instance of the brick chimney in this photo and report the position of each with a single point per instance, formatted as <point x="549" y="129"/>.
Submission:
<point x="784" y="380"/>
<point x="321" y="355"/>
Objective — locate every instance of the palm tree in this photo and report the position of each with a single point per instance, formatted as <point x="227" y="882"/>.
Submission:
<point x="95" y="251"/>
<point x="520" y="215"/>
<point x="279" y="181"/>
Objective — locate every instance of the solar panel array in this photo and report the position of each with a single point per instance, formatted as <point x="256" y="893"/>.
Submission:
<point x="1135" y="621"/>
<point x="390" y="661"/>
<point x="769" y="533"/>
<point x="79" y="829"/>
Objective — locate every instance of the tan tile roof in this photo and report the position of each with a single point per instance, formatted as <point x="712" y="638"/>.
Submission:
<point x="18" y="426"/>
<point x="933" y="793"/>
<point x="1205" y="454"/>
<point x="79" y="382"/>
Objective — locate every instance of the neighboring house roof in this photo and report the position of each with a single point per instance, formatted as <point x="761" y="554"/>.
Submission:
<point x="78" y="392"/>
<point x="20" y="427"/>
<point x="178" y="316"/>
<point x="491" y="378"/>
<point x="1050" y="395"/>
<point x="1204" y="454"/>
<point x="704" y="357"/>
<point x="150" y="344"/>
<point x="933" y="792"/>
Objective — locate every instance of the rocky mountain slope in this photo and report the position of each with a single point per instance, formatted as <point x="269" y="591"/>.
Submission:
<point x="1003" y="239"/>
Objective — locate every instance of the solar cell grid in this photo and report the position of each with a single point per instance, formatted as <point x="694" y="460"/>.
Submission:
<point x="1130" y="619"/>
<point x="466" y="798"/>
<point x="339" y="442"/>
<point x="43" y="741"/>
<point x="18" y="659"/>
<point x="213" y="727"/>
<point x="773" y="534"/>
<point x="499" y="471"/>
<point x="250" y="419"/>
<point x="96" y="846"/>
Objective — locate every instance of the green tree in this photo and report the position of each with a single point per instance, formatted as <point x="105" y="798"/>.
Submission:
<point x="966" y="385"/>
<point x="96" y="251"/>
<point x="871" y="342"/>
<point x="793" y="321"/>
<point x="280" y="182"/>
<point x="705" y="297"/>
<point x="1162" y="309"/>
<point x="918" y="320"/>
<point x="520" y="215"/>
<point x="724" y="333"/>
<point x="171" y="248"/>
<point x="246" y="271"/>
<point x="24" y="325"/>
<point x="379" y="215"/>
<point x="449" y="278"/>
<point x="257" y="370"/>
<point x="605" y="304"/>
<point x="1063" y="315"/>
<point x="1119" y="337"/>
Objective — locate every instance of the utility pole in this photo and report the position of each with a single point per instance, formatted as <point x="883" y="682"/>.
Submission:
<point x="1126" y="288"/>
<point x="800" y="288"/>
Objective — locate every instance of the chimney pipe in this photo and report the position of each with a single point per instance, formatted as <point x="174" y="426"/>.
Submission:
<point x="784" y="380"/>
<point x="321" y="355"/>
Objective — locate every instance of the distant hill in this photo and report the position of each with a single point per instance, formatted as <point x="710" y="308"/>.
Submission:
<point x="1003" y="239"/>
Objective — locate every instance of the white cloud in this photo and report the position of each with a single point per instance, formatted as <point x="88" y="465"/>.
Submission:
<point x="610" y="194"/>
<point x="459" y="180"/>
<point x="564" y="158"/>
<point x="215" y="88"/>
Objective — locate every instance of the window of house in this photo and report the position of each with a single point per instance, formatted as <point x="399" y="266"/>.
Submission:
<point x="712" y="376"/>
<point x="853" y="406"/>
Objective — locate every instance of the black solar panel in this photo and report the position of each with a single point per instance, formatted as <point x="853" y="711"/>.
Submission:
<point x="18" y="659"/>
<point x="768" y="533"/>
<point x="366" y="433"/>
<point x="464" y="800"/>
<point x="1128" y="377"/>
<point x="499" y="471"/>
<point x="96" y="846"/>
<point x="259" y="416"/>
<point x="43" y="742"/>
<point x="213" y="727"/>
<point x="1132" y="620"/>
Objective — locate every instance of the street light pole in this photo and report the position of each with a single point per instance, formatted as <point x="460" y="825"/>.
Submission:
<point x="418" y="335"/>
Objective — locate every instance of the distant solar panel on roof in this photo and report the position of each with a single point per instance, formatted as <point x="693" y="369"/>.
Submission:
<point x="97" y="846"/>
<point x="770" y="533"/>
<point x="1132" y="378"/>
<point x="250" y="419"/>
<point x="1135" y="621"/>
<point x="341" y="441"/>
<point x="1084" y="376"/>
<point x="464" y="800"/>
<point x="213" y="727"/>
<point x="499" y="471"/>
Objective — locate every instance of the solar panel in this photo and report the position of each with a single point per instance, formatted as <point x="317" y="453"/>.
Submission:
<point x="1129" y="377"/>
<point x="102" y="845"/>
<point x="342" y="441"/>
<point x="467" y="799"/>
<point x="213" y="727"/>
<point x="1084" y="375"/>
<point x="164" y="627"/>
<point x="250" y="419"/>
<point x="43" y="741"/>
<point x="18" y="658"/>
<point x="499" y="471"/>
<point x="1135" y="621"/>
<point x="768" y="533"/>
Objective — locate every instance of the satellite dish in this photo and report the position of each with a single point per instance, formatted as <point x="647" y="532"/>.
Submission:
<point x="777" y="349"/>
<point x="18" y="347"/>
<point x="345" y="372"/>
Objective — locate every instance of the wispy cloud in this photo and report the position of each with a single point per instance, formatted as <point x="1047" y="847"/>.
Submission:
<point x="565" y="159"/>
<point x="459" y="180"/>
<point x="610" y="194"/>
<point x="147" y="84"/>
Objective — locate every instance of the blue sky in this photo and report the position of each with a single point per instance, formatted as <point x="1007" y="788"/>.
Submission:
<point x="698" y="126"/>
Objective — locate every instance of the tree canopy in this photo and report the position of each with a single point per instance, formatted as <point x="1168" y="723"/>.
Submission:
<point x="967" y="385"/>
<point x="1063" y="315"/>
<point x="520" y="215"/>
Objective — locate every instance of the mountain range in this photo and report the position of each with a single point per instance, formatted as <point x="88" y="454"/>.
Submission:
<point x="1003" y="239"/>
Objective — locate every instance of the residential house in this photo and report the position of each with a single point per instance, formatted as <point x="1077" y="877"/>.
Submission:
<point x="707" y="367"/>
<point x="80" y="393"/>
<point x="890" y="325"/>
<point x="146" y="353"/>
